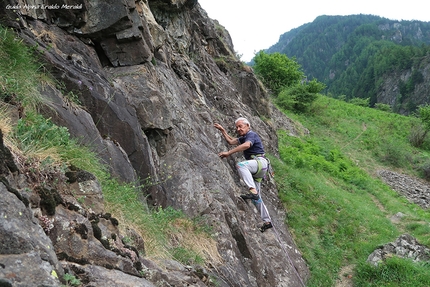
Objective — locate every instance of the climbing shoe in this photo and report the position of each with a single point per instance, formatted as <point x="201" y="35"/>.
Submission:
<point x="253" y="196"/>
<point x="266" y="226"/>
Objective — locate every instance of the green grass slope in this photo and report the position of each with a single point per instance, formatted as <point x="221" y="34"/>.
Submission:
<point x="338" y="209"/>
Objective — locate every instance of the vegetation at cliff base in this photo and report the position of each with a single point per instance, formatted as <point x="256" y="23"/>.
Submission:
<point x="338" y="209"/>
<point x="20" y="73"/>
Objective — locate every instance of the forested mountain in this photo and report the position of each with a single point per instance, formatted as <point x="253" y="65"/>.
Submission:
<point x="364" y="56"/>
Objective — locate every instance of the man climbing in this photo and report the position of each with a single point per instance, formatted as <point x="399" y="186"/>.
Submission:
<point x="254" y="168"/>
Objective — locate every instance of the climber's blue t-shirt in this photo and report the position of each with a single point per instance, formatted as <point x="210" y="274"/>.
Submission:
<point x="256" y="144"/>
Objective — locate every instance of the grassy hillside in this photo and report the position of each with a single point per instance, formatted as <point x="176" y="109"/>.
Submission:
<point x="338" y="209"/>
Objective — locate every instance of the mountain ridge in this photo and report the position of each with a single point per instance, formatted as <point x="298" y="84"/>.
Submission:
<point x="337" y="50"/>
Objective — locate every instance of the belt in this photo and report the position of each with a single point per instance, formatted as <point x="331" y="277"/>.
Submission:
<point x="257" y="155"/>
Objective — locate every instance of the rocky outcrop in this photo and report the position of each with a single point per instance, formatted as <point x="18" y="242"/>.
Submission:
<point x="151" y="78"/>
<point x="404" y="90"/>
<point x="405" y="246"/>
<point x="415" y="190"/>
<point x="46" y="232"/>
<point x="24" y="249"/>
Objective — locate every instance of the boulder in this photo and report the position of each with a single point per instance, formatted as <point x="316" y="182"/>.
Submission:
<point x="405" y="246"/>
<point x="27" y="255"/>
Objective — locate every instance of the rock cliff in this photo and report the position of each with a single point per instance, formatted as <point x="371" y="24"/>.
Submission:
<point x="406" y="89"/>
<point x="152" y="77"/>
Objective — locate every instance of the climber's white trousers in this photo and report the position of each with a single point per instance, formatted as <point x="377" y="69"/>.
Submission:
<point x="246" y="169"/>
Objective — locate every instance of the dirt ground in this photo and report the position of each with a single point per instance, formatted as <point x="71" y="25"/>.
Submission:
<point x="345" y="277"/>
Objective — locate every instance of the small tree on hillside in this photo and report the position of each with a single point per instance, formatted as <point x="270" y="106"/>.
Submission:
<point x="424" y="114"/>
<point x="299" y="97"/>
<point x="418" y="133"/>
<point x="277" y="71"/>
<point x="288" y="83"/>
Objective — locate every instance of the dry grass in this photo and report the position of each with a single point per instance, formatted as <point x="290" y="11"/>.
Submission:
<point x="39" y="164"/>
<point x="5" y="119"/>
<point x="199" y="242"/>
<point x="6" y="128"/>
<point x="153" y="248"/>
<point x="183" y="233"/>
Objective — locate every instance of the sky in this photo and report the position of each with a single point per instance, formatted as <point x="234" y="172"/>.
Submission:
<point x="256" y="25"/>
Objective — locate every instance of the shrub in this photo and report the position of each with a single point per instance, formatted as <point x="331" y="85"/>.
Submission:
<point x="383" y="107"/>
<point x="360" y="102"/>
<point x="417" y="135"/>
<point x="392" y="153"/>
<point x="424" y="115"/>
<point x="299" y="97"/>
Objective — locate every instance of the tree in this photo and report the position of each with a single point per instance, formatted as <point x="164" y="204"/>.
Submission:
<point x="288" y="83"/>
<point x="277" y="71"/>
<point x="419" y="133"/>
<point x="424" y="115"/>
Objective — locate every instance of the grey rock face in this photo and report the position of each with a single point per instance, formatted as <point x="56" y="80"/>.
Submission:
<point x="24" y="247"/>
<point x="101" y="276"/>
<point x="390" y="89"/>
<point x="151" y="79"/>
<point x="6" y="160"/>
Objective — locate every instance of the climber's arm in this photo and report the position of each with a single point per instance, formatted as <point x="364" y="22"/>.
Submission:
<point x="231" y="140"/>
<point x="246" y="145"/>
